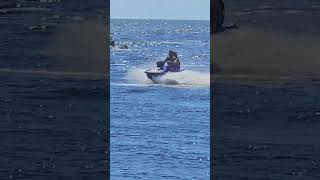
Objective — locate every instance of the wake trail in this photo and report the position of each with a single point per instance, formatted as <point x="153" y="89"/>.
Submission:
<point x="184" y="78"/>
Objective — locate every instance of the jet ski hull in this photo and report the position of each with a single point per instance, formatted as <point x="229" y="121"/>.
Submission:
<point x="154" y="74"/>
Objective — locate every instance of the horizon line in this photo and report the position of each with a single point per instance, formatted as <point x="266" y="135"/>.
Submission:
<point x="160" y="19"/>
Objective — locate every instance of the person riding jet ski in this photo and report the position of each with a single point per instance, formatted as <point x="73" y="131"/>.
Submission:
<point x="171" y="63"/>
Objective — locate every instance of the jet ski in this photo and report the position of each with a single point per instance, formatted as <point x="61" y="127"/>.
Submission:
<point x="156" y="73"/>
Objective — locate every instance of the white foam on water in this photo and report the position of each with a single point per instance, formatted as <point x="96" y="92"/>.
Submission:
<point x="138" y="76"/>
<point x="131" y="84"/>
<point x="188" y="77"/>
<point x="183" y="78"/>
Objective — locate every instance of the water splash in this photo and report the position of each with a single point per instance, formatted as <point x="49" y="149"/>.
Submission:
<point x="186" y="77"/>
<point x="138" y="76"/>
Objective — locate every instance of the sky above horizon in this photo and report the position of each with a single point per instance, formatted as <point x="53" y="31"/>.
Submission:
<point x="160" y="9"/>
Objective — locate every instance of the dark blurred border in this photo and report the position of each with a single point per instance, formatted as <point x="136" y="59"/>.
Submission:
<point x="108" y="90"/>
<point x="213" y="27"/>
<point x="54" y="97"/>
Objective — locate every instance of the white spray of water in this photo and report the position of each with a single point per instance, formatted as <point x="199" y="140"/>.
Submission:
<point x="138" y="76"/>
<point x="186" y="77"/>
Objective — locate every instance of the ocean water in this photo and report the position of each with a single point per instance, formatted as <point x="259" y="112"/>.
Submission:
<point x="160" y="131"/>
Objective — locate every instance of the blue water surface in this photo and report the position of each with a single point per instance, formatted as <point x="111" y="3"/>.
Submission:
<point x="159" y="131"/>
